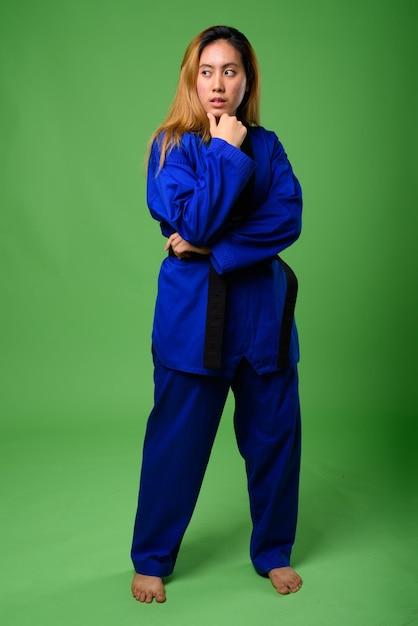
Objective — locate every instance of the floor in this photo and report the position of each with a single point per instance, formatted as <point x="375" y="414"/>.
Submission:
<point x="67" y="511"/>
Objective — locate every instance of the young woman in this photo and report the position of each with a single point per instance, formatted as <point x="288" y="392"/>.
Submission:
<point x="227" y="201"/>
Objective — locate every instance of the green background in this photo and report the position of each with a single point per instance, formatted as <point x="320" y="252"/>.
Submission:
<point x="82" y="86"/>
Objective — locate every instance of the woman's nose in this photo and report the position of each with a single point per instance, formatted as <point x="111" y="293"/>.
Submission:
<point x="218" y="84"/>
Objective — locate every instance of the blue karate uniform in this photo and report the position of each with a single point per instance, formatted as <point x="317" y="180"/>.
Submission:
<point x="194" y="194"/>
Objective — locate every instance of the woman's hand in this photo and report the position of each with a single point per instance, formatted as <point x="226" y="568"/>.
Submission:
<point x="228" y="128"/>
<point x="183" y="248"/>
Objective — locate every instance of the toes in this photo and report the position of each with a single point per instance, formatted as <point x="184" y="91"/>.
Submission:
<point x="141" y="595"/>
<point x="146" y="588"/>
<point x="295" y="583"/>
<point x="136" y="593"/>
<point x="285" y="580"/>
<point x="160" y="597"/>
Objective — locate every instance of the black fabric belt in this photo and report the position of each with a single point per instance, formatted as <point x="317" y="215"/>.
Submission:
<point x="215" y="318"/>
<point x="288" y="314"/>
<point x="216" y="308"/>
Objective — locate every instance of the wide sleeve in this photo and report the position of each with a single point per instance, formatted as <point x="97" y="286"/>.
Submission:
<point x="271" y="227"/>
<point x="196" y="188"/>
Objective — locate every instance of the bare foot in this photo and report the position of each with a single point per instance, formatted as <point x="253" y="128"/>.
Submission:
<point x="146" y="588"/>
<point x="285" y="580"/>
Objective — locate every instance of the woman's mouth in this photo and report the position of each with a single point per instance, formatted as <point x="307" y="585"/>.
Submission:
<point x="218" y="102"/>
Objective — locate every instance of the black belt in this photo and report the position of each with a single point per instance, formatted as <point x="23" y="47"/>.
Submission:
<point x="288" y="314"/>
<point x="215" y="313"/>
<point x="215" y="318"/>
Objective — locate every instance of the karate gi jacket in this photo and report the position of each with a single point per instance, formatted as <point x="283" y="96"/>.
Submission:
<point x="193" y="194"/>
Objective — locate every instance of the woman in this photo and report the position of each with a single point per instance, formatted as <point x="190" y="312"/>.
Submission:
<point x="224" y="193"/>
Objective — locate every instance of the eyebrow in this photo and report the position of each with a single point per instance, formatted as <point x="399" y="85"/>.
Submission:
<point x="225" y="65"/>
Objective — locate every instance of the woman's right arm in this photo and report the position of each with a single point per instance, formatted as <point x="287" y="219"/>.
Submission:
<point x="197" y="187"/>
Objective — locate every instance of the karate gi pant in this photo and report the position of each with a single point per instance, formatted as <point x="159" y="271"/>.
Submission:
<point x="180" y="433"/>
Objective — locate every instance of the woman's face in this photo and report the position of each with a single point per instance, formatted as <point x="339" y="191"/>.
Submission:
<point x="221" y="80"/>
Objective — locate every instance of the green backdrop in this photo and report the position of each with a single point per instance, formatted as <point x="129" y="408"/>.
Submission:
<point x="83" y="85"/>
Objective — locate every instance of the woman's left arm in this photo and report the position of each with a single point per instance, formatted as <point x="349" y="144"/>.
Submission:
<point x="271" y="227"/>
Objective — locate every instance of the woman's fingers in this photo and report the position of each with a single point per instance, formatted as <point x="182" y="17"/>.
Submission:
<point x="228" y="128"/>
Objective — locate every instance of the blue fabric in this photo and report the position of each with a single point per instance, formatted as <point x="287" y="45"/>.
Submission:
<point x="193" y="195"/>
<point x="179" y="438"/>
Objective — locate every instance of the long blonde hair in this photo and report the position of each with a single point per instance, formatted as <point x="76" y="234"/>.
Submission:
<point x="186" y="114"/>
